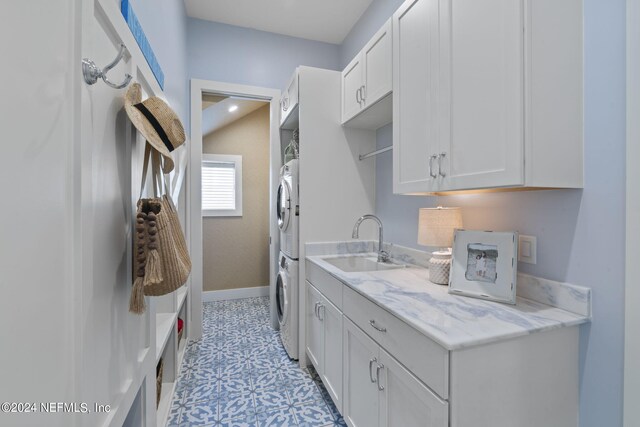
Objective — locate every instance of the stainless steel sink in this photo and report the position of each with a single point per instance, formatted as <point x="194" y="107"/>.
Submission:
<point x="351" y="264"/>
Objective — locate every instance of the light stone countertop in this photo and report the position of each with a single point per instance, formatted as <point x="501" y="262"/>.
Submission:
<point x="457" y="322"/>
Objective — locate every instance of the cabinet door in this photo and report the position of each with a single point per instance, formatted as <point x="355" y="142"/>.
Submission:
<point x="352" y="78"/>
<point x="485" y="148"/>
<point x="360" y="405"/>
<point x="332" y="373"/>
<point x="405" y="401"/>
<point x="416" y="118"/>
<point x="289" y="98"/>
<point x="314" y="328"/>
<point x="293" y="92"/>
<point x="377" y="59"/>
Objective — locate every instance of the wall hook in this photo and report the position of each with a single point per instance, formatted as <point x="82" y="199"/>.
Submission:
<point x="91" y="72"/>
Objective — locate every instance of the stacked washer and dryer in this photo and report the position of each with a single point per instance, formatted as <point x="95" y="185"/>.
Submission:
<point x="287" y="282"/>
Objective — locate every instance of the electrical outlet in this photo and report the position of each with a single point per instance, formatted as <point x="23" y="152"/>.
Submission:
<point x="527" y="249"/>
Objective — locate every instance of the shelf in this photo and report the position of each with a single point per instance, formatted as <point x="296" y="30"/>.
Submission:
<point x="182" y="296"/>
<point x="292" y="121"/>
<point x="166" y="395"/>
<point x="164" y="324"/>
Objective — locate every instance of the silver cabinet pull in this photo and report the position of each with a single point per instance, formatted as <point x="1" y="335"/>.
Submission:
<point x="363" y="94"/>
<point x="371" y="362"/>
<point x="358" y="96"/>
<point x="376" y="327"/>
<point x="378" y="369"/>
<point x="285" y="104"/>
<point x="316" y="309"/>
<point x="431" y="159"/>
<point x="321" y="310"/>
<point x="440" y="156"/>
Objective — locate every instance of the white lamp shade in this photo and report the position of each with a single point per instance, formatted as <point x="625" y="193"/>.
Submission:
<point x="436" y="226"/>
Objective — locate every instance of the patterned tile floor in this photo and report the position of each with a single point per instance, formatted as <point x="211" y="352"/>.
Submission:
<point x="239" y="374"/>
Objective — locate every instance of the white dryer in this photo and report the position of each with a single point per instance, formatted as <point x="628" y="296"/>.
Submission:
<point x="288" y="208"/>
<point x="287" y="303"/>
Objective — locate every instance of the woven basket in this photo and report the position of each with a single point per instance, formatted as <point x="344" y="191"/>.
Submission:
<point x="159" y="370"/>
<point x="176" y="263"/>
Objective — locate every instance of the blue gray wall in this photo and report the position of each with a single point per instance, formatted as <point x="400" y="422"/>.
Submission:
<point x="580" y="232"/>
<point x="165" y="25"/>
<point x="233" y="54"/>
<point x="371" y="20"/>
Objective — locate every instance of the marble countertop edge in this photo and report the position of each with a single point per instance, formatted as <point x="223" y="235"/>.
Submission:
<point x="455" y="322"/>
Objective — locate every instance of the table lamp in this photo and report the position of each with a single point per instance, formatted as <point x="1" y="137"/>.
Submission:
<point x="435" y="228"/>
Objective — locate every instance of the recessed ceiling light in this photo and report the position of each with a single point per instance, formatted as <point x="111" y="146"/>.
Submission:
<point x="233" y="108"/>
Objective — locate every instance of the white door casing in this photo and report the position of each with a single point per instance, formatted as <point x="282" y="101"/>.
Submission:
<point x="194" y="204"/>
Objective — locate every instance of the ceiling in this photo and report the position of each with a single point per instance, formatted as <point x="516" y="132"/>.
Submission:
<point x="217" y="115"/>
<point x="209" y="99"/>
<point x="322" y="20"/>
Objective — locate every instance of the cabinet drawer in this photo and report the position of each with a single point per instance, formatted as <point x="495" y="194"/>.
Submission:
<point x="426" y="359"/>
<point x="328" y="285"/>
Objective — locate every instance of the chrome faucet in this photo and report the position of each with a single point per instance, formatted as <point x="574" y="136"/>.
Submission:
<point x="382" y="255"/>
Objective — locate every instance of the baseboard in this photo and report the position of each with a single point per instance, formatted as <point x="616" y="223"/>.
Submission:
<point x="227" y="294"/>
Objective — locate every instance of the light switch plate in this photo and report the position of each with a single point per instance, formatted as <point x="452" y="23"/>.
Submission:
<point x="527" y="249"/>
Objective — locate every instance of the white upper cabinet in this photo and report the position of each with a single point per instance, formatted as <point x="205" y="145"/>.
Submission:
<point x="487" y="94"/>
<point x="485" y="85"/>
<point x="289" y="99"/>
<point x="352" y="89"/>
<point x="367" y="83"/>
<point x="416" y="115"/>
<point x="377" y="60"/>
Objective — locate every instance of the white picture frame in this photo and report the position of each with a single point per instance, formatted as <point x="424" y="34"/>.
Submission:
<point x="484" y="265"/>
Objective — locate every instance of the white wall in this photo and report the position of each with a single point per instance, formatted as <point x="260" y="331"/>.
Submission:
<point x="36" y="221"/>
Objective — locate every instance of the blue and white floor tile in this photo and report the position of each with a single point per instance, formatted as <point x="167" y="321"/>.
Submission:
<point x="239" y="375"/>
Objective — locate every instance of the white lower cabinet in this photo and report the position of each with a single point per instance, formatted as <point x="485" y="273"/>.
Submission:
<point x="404" y="400"/>
<point x="361" y="399"/>
<point x="324" y="341"/>
<point x="314" y="327"/>
<point x="381" y="372"/>
<point x="380" y="392"/>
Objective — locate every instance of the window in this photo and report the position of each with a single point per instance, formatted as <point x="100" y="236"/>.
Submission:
<point x="221" y="185"/>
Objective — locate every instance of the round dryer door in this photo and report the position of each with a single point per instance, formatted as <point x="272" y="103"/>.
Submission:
<point x="282" y="302"/>
<point x="283" y="205"/>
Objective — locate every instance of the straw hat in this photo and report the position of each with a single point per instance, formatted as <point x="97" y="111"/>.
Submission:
<point x="156" y="121"/>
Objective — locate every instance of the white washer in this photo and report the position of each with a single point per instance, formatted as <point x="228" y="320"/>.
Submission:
<point x="287" y="208"/>
<point x="287" y="303"/>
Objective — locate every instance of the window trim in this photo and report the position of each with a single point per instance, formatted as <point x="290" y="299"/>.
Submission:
<point x="226" y="158"/>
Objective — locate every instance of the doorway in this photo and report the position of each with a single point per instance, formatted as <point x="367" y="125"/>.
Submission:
<point x="227" y="95"/>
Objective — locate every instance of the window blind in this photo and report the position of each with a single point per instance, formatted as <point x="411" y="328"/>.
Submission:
<point x="218" y="185"/>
